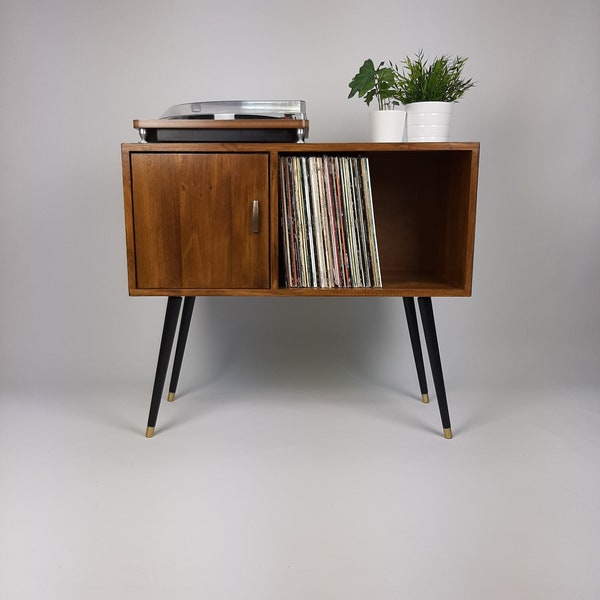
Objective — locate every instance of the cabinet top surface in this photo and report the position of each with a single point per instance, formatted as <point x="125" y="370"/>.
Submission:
<point x="301" y="147"/>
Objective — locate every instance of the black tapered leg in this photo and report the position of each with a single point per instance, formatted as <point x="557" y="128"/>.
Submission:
<point x="415" y="341"/>
<point x="184" y="328"/>
<point x="164" y="355"/>
<point x="426" y="309"/>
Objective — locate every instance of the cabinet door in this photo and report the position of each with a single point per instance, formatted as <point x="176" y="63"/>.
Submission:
<point x="200" y="220"/>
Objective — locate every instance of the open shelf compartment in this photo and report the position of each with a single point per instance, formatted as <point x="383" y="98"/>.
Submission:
<point x="424" y="204"/>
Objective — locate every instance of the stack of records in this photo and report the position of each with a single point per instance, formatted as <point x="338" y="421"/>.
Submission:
<point x="327" y="222"/>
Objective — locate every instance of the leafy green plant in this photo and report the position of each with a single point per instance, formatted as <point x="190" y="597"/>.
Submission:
<point x="380" y="83"/>
<point x="440" y="81"/>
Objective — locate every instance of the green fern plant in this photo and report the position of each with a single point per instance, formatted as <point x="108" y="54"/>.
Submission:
<point x="380" y="83"/>
<point x="440" y="81"/>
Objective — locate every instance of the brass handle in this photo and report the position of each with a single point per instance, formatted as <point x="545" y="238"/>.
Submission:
<point x="255" y="216"/>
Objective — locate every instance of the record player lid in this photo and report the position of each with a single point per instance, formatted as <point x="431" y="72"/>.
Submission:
<point x="238" y="109"/>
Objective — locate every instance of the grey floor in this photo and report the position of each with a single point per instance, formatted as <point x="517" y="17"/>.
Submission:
<point x="345" y="491"/>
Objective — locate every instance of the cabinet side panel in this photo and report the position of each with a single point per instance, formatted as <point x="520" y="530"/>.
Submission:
<point x="128" y="212"/>
<point x="461" y="192"/>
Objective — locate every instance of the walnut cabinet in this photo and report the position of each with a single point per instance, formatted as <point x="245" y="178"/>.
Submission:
<point x="204" y="219"/>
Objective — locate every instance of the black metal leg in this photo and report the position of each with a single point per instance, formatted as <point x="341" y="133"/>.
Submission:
<point x="426" y="309"/>
<point x="184" y="328"/>
<point x="164" y="355"/>
<point x="415" y="341"/>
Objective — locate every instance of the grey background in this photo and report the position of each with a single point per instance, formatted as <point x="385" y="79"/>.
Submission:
<point x="75" y="75"/>
<point x="298" y="461"/>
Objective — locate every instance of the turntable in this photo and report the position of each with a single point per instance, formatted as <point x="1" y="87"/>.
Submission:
<point x="229" y="121"/>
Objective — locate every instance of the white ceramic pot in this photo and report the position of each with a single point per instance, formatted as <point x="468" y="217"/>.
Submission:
<point x="428" y="121"/>
<point x="387" y="125"/>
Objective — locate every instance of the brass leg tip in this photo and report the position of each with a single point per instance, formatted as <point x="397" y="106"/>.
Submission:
<point x="425" y="398"/>
<point x="171" y="396"/>
<point x="448" y="433"/>
<point x="149" y="432"/>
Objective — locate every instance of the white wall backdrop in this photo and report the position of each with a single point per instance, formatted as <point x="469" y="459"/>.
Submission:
<point x="75" y="73"/>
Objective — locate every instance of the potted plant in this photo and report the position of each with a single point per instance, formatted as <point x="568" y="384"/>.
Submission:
<point x="429" y="92"/>
<point x="387" y="124"/>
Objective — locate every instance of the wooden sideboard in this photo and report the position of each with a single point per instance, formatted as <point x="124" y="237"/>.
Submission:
<point x="204" y="219"/>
